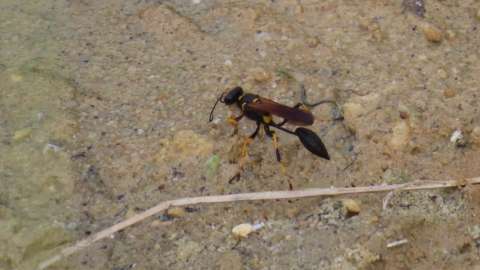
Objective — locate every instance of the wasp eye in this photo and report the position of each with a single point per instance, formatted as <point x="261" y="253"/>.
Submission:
<point x="233" y="95"/>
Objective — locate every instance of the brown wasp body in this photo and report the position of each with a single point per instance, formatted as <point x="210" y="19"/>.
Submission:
<point x="261" y="110"/>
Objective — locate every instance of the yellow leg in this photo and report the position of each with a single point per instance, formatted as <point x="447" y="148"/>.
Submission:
<point x="261" y="134"/>
<point x="245" y="145"/>
<point x="283" y="168"/>
<point x="234" y="123"/>
<point x="275" y="140"/>
<point x="231" y="120"/>
<point x="277" y="152"/>
<point x="244" y="154"/>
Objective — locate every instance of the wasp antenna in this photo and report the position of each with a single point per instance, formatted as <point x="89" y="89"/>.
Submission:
<point x="219" y="99"/>
<point x="303" y="98"/>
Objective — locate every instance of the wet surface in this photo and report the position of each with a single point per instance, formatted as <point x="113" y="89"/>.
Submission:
<point x="104" y="108"/>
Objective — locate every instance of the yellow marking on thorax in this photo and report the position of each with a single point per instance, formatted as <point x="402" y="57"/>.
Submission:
<point x="304" y="108"/>
<point x="243" y="104"/>
<point x="267" y="119"/>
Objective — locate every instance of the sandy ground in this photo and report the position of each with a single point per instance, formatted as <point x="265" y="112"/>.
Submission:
<point x="104" y="113"/>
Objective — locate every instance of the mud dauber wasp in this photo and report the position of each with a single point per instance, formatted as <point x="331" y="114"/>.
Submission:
<point x="261" y="110"/>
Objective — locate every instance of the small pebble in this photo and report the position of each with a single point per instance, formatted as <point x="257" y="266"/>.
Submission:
<point x="400" y="135"/>
<point x="51" y="147"/>
<point x="312" y="42"/>
<point x="449" y="93"/>
<point x="442" y="74"/>
<point x="422" y="57"/>
<point x="403" y="111"/>
<point x="457" y="138"/>
<point x="176" y="212"/>
<point x="22" y="134"/>
<point x="432" y="33"/>
<point x="259" y="74"/>
<point x="450" y="35"/>
<point x="244" y="229"/>
<point x="475" y="135"/>
<point x="16" y="77"/>
<point x="415" y="6"/>
<point x="352" y="113"/>
<point x="352" y="207"/>
<point x="475" y="231"/>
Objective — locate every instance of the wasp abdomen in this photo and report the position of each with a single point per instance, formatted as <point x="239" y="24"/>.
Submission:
<point x="312" y="142"/>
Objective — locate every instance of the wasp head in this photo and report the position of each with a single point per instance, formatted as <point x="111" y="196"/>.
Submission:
<point x="233" y="95"/>
<point x="228" y="98"/>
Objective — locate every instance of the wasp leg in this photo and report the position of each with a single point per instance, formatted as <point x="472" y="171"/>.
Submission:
<point x="290" y="186"/>
<point x="234" y="122"/>
<point x="273" y="135"/>
<point x="244" y="153"/>
<point x="298" y="105"/>
<point x="248" y="141"/>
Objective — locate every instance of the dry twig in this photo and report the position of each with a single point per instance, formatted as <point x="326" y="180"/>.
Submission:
<point x="397" y="243"/>
<point x="268" y="195"/>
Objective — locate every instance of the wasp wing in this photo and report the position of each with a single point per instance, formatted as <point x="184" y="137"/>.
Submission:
<point x="294" y="116"/>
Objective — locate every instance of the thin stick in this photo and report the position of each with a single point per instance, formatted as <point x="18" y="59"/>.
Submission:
<point x="397" y="243"/>
<point x="269" y="195"/>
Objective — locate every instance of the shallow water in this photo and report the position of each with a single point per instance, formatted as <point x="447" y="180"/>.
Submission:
<point x="37" y="129"/>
